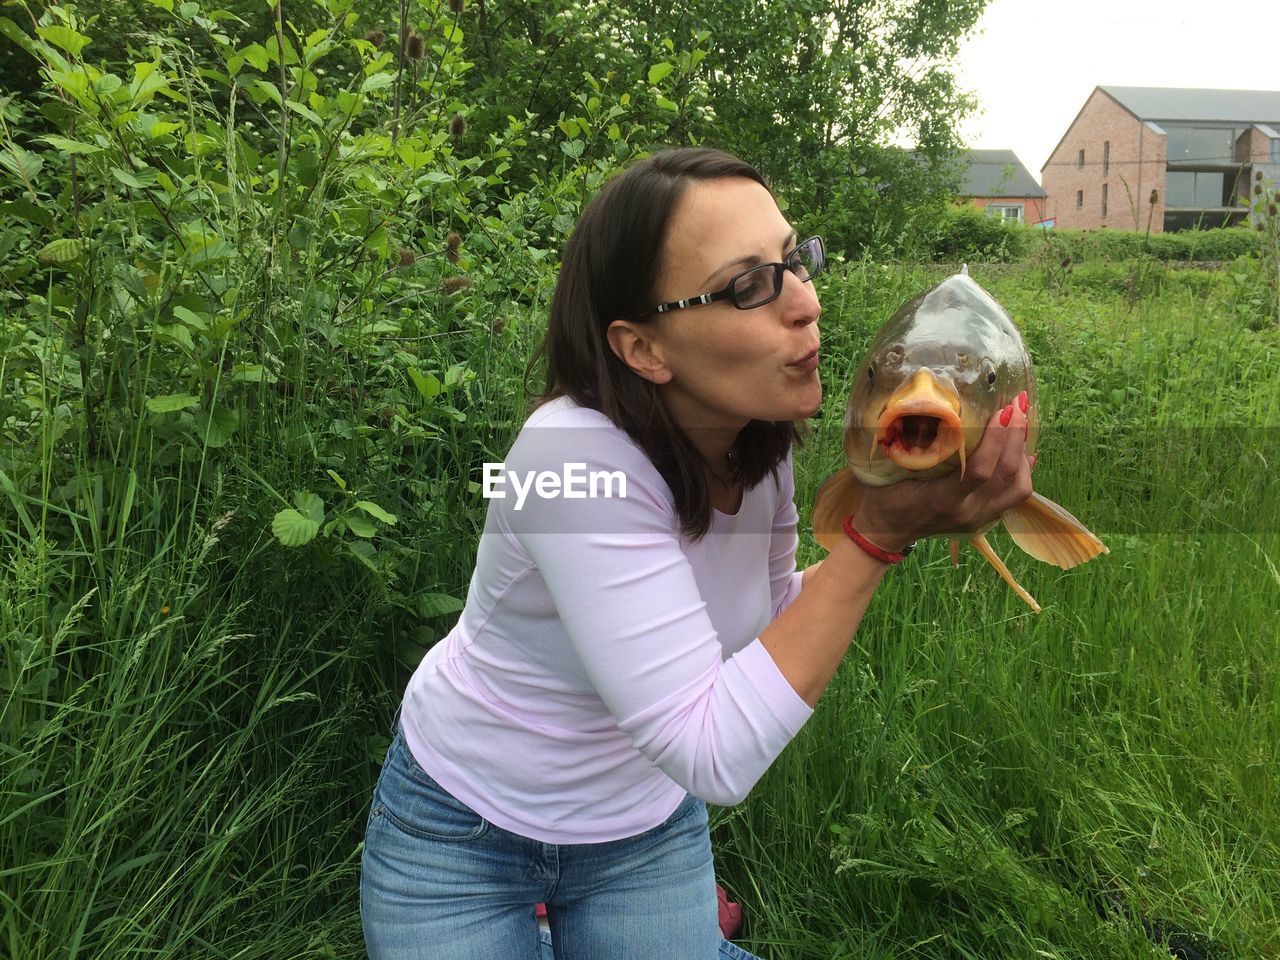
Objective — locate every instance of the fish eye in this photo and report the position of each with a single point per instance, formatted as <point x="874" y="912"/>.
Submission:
<point x="988" y="372"/>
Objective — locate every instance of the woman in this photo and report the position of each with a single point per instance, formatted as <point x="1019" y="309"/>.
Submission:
<point x="623" y="658"/>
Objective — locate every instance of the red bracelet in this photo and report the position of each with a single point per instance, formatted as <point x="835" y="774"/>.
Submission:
<point x="884" y="556"/>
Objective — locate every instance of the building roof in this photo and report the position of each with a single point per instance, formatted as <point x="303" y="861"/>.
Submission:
<point x="996" y="173"/>
<point x="1193" y="104"/>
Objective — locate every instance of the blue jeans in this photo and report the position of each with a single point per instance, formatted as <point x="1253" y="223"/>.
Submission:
<point x="438" y="881"/>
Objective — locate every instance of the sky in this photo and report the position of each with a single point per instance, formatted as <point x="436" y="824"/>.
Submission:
<point x="1033" y="63"/>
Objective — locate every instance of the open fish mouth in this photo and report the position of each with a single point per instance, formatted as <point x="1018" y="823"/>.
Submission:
<point x="920" y="426"/>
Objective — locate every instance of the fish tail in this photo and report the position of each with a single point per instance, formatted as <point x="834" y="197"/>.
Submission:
<point x="837" y="498"/>
<point x="1049" y="533"/>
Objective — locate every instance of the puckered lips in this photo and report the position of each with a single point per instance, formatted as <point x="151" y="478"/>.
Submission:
<point x="920" y="426"/>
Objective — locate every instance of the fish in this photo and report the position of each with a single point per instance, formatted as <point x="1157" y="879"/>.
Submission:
<point x="933" y="376"/>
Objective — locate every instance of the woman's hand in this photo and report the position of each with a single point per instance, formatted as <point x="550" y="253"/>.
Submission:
<point x="997" y="477"/>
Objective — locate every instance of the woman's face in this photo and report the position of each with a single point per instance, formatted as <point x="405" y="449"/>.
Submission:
<point x="726" y="366"/>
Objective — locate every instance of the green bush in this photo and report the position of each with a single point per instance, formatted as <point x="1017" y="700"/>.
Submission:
<point x="966" y="233"/>
<point x="1188" y="245"/>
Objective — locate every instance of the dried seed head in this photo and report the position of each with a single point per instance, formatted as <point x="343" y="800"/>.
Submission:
<point x="415" y="48"/>
<point x="1271" y="209"/>
<point x="376" y="37"/>
<point x="1257" y="189"/>
<point x="1154" y="198"/>
<point x="1259" y="226"/>
<point x="454" y="284"/>
<point x="451" y="244"/>
<point x="458" y="125"/>
<point x="406" y="257"/>
<point x="1066" y="262"/>
<point x="499" y="323"/>
<point x="457" y="6"/>
<point x="1257" y="174"/>
<point x="1277" y="197"/>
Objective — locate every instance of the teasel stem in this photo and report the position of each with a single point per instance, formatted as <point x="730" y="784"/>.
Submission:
<point x="284" y="96"/>
<point x="404" y="36"/>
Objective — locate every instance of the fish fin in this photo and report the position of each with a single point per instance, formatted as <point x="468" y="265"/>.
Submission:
<point x="1049" y="533"/>
<point x="955" y="553"/>
<point x="837" y="498"/>
<point x="984" y="548"/>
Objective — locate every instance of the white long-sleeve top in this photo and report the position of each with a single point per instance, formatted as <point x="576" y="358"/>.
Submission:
<point x="603" y="664"/>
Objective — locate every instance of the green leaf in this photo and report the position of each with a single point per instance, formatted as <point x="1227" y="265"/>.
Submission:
<point x="24" y="164"/>
<point x="71" y="146"/>
<point x="292" y="529"/>
<point x="659" y="71"/>
<point x="255" y="55"/>
<point x="309" y="504"/>
<point x="336" y="478"/>
<point x="304" y="111"/>
<point x="191" y="318"/>
<point x="165" y="5"/>
<point x="426" y="383"/>
<point x="377" y="512"/>
<point x="63" y="250"/>
<point x="438" y="605"/>
<point x="377" y="81"/>
<point x="666" y="104"/>
<point x="251" y="373"/>
<point x="63" y="37"/>
<point x="216" y="428"/>
<point x="364" y="552"/>
<point x="147" y="79"/>
<point x="172" y="402"/>
<point x="573" y="148"/>
<point x="360" y="526"/>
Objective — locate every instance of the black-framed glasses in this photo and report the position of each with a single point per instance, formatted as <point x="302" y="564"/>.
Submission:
<point x="762" y="284"/>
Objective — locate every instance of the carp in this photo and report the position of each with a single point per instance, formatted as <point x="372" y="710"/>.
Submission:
<point x="934" y="375"/>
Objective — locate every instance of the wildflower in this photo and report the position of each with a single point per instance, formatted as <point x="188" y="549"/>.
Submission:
<point x="406" y="257"/>
<point x="415" y="48"/>
<point x="458" y="125"/>
<point x="457" y="6"/>
<point x="376" y="37"/>
<point x="454" y="284"/>
<point x="164" y="611"/>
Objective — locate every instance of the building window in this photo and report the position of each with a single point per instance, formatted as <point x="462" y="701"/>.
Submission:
<point x="1187" y="189"/>
<point x="1104" y="201"/>
<point x="1080" y="158"/>
<point x="1189" y="144"/>
<point x="1008" y="212"/>
<point x="1079" y="199"/>
<point x="1106" y="158"/>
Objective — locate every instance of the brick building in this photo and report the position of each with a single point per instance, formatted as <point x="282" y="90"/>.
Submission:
<point x="997" y="181"/>
<point x="1169" y="158"/>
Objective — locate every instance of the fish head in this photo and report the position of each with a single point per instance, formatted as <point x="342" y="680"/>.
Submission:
<point x="932" y="378"/>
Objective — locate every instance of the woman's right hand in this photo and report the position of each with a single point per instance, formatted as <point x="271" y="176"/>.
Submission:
<point x="997" y="477"/>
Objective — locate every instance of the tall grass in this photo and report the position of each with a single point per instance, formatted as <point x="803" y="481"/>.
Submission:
<point x="984" y="782"/>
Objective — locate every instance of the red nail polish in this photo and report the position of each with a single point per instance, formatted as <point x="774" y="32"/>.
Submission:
<point x="1006" y="415"/>
<point x="1022" y="401"/>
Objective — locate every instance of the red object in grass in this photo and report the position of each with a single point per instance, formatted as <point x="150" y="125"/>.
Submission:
<point x="730" y="914"/>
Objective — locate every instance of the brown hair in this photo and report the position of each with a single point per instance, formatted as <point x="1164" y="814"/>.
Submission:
<point x="609" y="271"/>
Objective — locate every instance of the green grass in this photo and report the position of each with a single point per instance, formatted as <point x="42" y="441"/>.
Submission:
<point x="191" y="715"/>
<point x="979" y="780"/>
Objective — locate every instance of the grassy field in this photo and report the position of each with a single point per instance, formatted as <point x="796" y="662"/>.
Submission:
<point x="984" y="782"/>
<point x="191" y="714"/>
